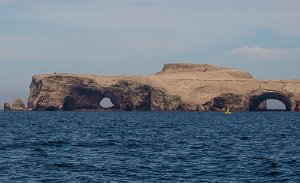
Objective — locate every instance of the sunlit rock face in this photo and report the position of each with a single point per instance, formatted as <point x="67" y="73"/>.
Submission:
<point x="18" y="105"/>
<point x="178" y="87"/>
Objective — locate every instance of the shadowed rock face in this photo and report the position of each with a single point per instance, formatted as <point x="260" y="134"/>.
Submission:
<point x="125" y="95"/>
<point x="178" y="87"/>
<point x="6" y="106"/>
<point x="78" y="95"/>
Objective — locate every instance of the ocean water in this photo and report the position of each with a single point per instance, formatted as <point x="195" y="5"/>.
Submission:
<point x="149" y="147"/>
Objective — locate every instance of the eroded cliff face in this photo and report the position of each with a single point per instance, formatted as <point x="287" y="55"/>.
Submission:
<point x="178" y="87"/>
<point x="67" y="93"/>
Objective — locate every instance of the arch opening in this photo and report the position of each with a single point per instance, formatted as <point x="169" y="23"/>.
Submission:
<point x="106" y="103"/>
<point x="270" y="101"/>
<point x="275" y="105"/>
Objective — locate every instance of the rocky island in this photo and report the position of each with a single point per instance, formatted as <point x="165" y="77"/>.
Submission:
<point x="178" y="87"/>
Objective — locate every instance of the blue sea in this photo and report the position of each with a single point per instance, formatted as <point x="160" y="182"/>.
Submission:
<point x="149" y="147"/>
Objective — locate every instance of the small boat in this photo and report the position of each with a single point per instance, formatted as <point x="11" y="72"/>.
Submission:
<point x="228" y="111"/>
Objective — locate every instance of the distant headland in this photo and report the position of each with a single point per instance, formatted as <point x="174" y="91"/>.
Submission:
<point x="178" y="87"/>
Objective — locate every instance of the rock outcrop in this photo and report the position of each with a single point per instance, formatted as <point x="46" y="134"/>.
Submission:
<point x="17" y="105"/>
<point x="178" y="87"/>
<point x="6" y="106"/>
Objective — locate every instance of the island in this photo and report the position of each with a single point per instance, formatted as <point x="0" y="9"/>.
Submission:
<point x="177" y="87"/>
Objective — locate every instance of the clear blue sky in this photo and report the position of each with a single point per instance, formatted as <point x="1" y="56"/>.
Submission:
<point x="115" y="37"/>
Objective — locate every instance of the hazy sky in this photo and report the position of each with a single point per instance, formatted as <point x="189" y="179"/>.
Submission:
<point x="115" y="37"/>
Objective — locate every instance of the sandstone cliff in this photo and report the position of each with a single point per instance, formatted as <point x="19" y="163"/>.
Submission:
<point x="182" y="87"/>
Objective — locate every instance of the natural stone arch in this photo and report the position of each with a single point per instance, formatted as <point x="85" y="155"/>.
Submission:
<point x="255" y="101"/>
<point x="87" y="99"/>
<point x="121" y="96"/>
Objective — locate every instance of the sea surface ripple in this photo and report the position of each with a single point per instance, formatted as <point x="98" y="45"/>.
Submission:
<point x="149" y="147"/>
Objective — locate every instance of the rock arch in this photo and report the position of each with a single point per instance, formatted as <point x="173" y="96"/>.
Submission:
<point x="88" y="99"/>
<point x="255" y="101"/>
<point x="137" y="98"/>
